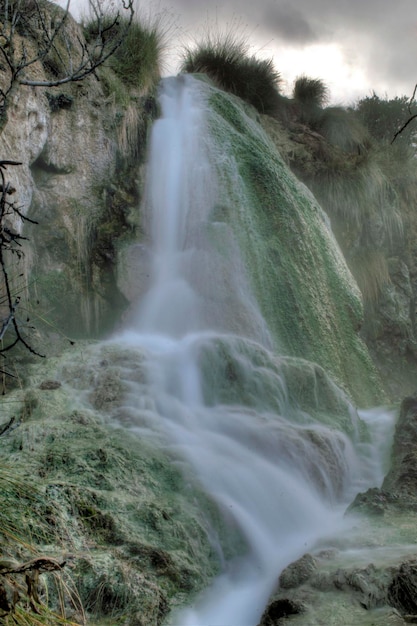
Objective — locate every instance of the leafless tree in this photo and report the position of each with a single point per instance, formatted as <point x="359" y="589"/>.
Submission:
<point x="10" y="253"/>
<point x="35" y="33"/>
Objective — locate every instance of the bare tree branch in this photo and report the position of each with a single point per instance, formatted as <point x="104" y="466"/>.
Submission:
<point x="51" y="38"/>
<point x="35" y="33"/>
<point x="403" y="127"/>
<point x="9" y="245"/>
<point x="412" y="117"/>
<point x="9" y="318"/>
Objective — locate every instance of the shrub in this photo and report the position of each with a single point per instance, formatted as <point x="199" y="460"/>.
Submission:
<point x="310" y="95"/>
<point x="342" y="128"/>
<point x="384" y="118"/>
<point x="136" y="62"/>
<point x="226" y="60"/>
<point x="310" y="91"/>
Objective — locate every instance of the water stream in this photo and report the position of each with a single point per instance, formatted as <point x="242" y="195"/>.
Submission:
<point x="281" y="478"/>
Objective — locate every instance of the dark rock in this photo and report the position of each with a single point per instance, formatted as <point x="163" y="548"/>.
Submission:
<point x="50" y="384"/>
<point x="372" y="502"/>
<point x="60" y="101"/>
<point x="402" y="592"/>
<point x="402" y="478"/>
<point x="279" y="609"/>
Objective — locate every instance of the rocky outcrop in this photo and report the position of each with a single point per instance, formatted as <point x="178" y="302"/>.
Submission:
<point x="398" y="491"/>
<point x="390" y="330"/>
<point x="378" y="241"/>
<point x="300" y="279"/>
<point x="79" y="179"/>
<point x="328" y="588"/>
<point x="333" y="595"/>
<point x="401" y="480"/>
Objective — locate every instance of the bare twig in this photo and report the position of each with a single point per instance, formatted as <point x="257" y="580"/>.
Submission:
<point x="410" y="119"/>
<point x="76" y="64"/>
<point x="41" y="564"/>
<point x="10" y="243"/>
<point x="9" y="318"/>
<point x="7" y="426"/>
<point x="403" y="127"/>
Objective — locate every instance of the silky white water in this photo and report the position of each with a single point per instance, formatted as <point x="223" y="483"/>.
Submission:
<point x="281" y="479"/>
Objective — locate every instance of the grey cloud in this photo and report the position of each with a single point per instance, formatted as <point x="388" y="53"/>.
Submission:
<point x="379" y="36"/>
<point x="288" y="23"/>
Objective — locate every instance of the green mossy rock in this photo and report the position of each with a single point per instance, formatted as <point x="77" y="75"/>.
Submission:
<point x="105" y="499"/>
<point x="305" y="290"/>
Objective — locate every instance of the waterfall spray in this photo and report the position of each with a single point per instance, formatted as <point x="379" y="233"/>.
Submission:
<point x="281" y="478"/>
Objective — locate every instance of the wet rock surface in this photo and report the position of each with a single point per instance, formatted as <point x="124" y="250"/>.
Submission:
<point x="279" y="609"/>
<point x="298" y="572"/>
<point x="108" y="502"/>
<point x="373" y="580"/>
<point x="401" y="480"/>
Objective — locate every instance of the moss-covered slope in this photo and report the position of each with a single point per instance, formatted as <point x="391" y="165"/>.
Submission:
<point x="305" y="290"/>
<point x="135" y="535"/>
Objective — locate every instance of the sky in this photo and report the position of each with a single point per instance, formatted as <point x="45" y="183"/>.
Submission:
<point x="356" y="46"/>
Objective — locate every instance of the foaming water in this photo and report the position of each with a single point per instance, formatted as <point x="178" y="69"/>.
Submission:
<point x="281" y="478"/>
<point x="271" y="478"/>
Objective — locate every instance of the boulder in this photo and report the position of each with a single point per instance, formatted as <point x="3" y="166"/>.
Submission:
<point x="401" y="480"/>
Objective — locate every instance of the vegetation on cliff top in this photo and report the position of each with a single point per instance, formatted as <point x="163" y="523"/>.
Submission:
<point x="226" y="60"/>
<point x="364" y="180"/>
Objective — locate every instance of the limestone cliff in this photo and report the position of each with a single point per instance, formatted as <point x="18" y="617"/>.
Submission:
<point x="74" y="143"/>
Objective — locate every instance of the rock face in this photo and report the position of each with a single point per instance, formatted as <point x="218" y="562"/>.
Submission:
<point x="401" y="480"/>
<point x="77" y="182"/>
<point x="398" y="491"/>
<point x="328" y="587"/>
<point x="390" y="332"/>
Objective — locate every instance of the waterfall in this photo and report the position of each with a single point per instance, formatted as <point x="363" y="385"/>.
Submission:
<point x="281" y="478"/>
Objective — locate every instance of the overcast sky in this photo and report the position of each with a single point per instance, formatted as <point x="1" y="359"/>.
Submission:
<point x="356" y="46"/>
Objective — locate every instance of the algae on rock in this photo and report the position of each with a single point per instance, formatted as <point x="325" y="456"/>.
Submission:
<point x="306" y="292"/>
<point x="136" y="533"/>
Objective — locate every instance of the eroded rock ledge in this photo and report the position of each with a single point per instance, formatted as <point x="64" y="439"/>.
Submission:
<point x="371" y="578"/>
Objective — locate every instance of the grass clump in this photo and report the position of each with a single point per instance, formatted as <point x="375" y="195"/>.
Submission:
<point x="310" y="95"/>
<point x="227" y="61"/>
<point x="344" y="130"/>
<point x="310" y="91"/>
<point x="35" y="588"/>
<point x="136" y="62"/>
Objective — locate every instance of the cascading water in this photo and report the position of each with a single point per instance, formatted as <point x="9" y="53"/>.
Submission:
<point x="280" y="478"/>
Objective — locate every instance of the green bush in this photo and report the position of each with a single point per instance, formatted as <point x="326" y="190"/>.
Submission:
<point x="136" y="62"/>
<point x="396" y="159"/>
<point x="384" y="117"/>
<point x="226" y="60"/>
<point x="344" y="129"/>
<point x="310" y="95"/>
<point x="310" y="91"/>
